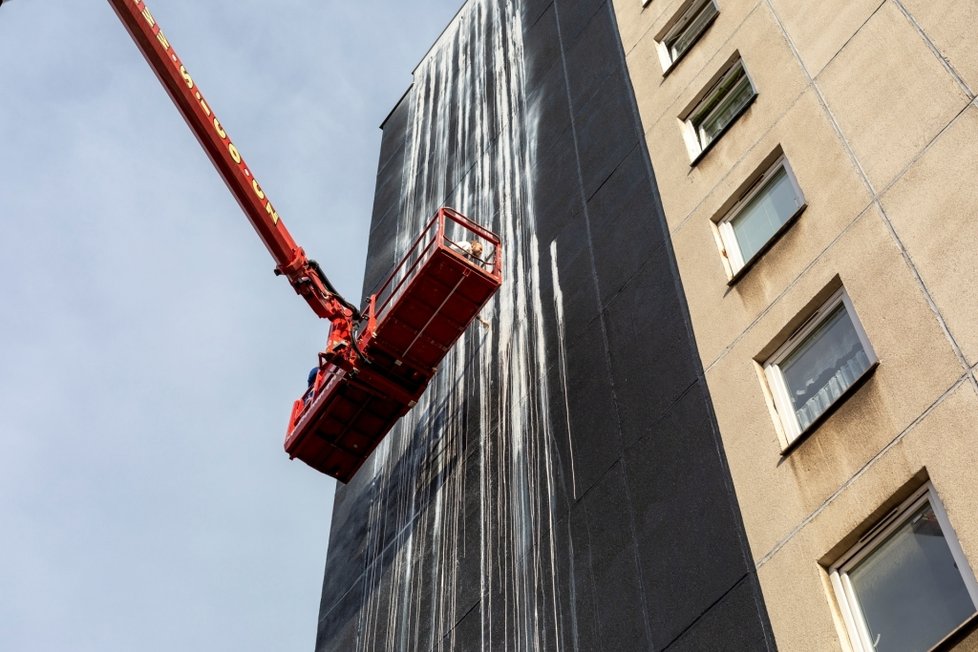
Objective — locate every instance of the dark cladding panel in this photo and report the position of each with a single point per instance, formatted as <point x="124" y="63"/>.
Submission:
<point x="347" y="541"/>
<point x="606" y="131"/>
<point x="395" y="131"/>
<point x="339" y="627"/>
<point x="542" y="49"/>
<point x="649" y="379"/>
<point x="624" y="220"/>
<point x="593" y="417"/>
<point x="533" y="9"/>
<point x="549" y="101"/>
<point x="574" y="17"/>
<point x="561" y="484"/>
<point x="388" y="193"/>
<point x="615" y="573"/>
<point x="575" y="276"/>
<point x="383" y="255"/>
<point x="587" y="64"/>
<point x="685" y="523"/>
<point x="723" y="627"/>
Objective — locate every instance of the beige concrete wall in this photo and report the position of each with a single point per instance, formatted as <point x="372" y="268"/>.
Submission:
<point x="873" y="104"/>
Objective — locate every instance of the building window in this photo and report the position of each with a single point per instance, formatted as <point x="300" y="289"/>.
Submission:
<point x="721" y="105"/>
<point x="685" y="30"/>
<point x="906" y="584"/>
<point x="761" y="213"/>
<point x="821" y="360"/>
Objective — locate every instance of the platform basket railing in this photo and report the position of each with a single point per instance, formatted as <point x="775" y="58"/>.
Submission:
<point x="448" y="230"/>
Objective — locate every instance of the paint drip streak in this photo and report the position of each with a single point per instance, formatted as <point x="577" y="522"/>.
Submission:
<point x="442" y="544"/>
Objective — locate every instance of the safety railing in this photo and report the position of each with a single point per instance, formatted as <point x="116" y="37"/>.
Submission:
<point x="449" y="230"/>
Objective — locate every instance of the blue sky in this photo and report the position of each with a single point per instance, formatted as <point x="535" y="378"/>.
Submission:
<point x="149" y="355"/>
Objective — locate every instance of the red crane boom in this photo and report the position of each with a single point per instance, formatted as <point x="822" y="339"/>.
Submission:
<point x="291" y="260"/>
<point x="365" y="380"/>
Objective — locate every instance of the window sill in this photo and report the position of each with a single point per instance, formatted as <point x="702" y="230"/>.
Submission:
<point x="822" y="418"/>
<point x="706" y="149"/>
<point x="960" y="634"/>
<point x="740" y="273"/>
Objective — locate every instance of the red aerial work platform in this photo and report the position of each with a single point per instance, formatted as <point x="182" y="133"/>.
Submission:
<point x="366" y="381"/>
<point x="414" y="319"/>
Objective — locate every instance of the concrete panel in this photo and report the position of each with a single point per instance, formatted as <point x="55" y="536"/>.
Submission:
<point x="835" y="193"/>
<point x="933" y="208"/>
<point x="635" y="20"/>
<point x="776" y="493"/>
<point x="887" y="65"/>
<point x="779" y="82"/>
<point x="965" y="642"/>
<point x="794" y="579"/>
<point x="950" y="26"/>
<point x="645" y="73"/>
<point x="655" y="92"/>
<point x="820" y="29"/>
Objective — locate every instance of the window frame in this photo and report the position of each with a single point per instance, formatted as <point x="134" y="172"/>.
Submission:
<point x="846" y="598"/>
<point x="790" y="431"/>
<point x="709" y="101"/>
<point x="730" y="252"/>
<point x="676" y="26"/>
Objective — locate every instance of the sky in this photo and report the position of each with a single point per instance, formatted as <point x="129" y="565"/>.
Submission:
<point x="148" y="355"/>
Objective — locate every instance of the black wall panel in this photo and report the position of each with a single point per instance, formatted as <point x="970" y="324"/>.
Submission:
<point x="563" y="486"/>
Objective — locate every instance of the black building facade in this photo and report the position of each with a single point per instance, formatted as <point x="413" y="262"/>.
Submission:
<point x="562" y="483"/>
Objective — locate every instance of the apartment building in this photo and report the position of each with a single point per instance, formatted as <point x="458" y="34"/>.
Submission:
<point x="817" y="167"/>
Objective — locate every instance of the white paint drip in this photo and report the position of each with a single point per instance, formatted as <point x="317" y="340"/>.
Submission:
<point x="416" y="532"/>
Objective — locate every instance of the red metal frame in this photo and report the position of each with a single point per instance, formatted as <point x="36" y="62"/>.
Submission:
<point x="422" y="308"/>
<point x="438" y="242"/>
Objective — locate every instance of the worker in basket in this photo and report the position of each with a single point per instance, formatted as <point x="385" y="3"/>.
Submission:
<point x="311" y="382"/>
<point x="474" y="250"/>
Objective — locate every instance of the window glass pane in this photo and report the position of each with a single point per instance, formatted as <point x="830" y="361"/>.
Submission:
<point x="824" y="366"/>
<point x="691" y="31"/>
<point x="909" y="590"/>
<point x="764" y="214"/>
<point x="732" y="101"/>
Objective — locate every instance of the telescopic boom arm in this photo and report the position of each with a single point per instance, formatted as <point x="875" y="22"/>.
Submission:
<point x="366" y="380"/>
<point x="291" y="261"/>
